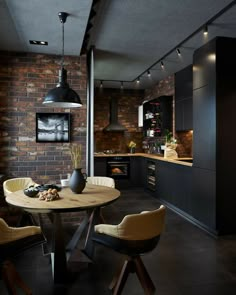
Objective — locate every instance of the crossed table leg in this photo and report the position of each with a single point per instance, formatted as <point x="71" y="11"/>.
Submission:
<point x="62" y="254"/>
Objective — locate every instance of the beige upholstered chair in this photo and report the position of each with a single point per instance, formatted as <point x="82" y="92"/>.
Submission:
<point x="15" y="184"/>
<point x="101" y="180"/>
<point x="14" y="240"/>
<point x="135" y="235"/>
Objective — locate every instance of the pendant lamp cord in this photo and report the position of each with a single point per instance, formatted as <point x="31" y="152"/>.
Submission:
<point x="62" y="58"/>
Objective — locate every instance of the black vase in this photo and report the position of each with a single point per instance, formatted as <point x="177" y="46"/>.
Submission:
<point x="132" y="150"/>
<point x="77" y="181"/>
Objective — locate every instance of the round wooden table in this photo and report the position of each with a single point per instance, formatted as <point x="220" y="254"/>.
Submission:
<point x="91" y="197"/>
<point x="90" y="200"/>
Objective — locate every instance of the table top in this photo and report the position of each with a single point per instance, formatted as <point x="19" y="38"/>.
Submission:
<point x="91" y="197"/>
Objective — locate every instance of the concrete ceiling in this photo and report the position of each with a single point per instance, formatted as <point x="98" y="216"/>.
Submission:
<point x="130" y="36"/>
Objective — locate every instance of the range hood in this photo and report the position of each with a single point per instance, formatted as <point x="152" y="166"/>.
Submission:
<point x="114" y="124"/>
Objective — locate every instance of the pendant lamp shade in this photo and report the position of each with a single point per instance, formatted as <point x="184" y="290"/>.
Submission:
<point x="62" y="96"/>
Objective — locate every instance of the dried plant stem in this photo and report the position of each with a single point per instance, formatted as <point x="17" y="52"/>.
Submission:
<point x="76" y="154"/>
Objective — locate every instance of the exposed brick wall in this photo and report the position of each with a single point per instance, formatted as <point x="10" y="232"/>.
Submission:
<point x="24" y="81"/>
<point x="128" y="102"/>
<point x="164" y="87"/>
<point x="184" y="140"/>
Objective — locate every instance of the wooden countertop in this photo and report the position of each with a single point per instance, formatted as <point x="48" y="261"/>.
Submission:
<point x="149" y="156"/>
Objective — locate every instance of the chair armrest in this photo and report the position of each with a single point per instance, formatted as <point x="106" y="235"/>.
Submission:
<point x="107" y="229"/>
<point x="9" y="234"/>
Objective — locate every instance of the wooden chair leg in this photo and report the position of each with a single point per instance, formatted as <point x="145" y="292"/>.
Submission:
<point x="116" y="276"/>
<point x="12" y="278"/>
<point x="143" y="276"/>
<point x="118" y="286"/>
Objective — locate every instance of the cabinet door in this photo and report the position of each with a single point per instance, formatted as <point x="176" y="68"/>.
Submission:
<point x="100" y="166"/>
<point x="167" y="113"/>
<point x="137" y="171"/>
<point x="203" y="202"/>
<point x="184" y="83"/>
<point x="204" y="126"/>
<point x="188" y="113"/>
<point x="204" y="65"/>
<point x="182" y="187"/>
<point x="174" y="185"/>
<point x="164" y="182"/>
<point x="184" y="114"/>
<point x="179" y="115"/>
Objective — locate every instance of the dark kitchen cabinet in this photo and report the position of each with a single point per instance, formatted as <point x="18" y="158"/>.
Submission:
<point x="157" y="116"/>
<point x="204" y="120"/>
<point x="137" y="171"/>
<point x="100" y="166"/>
<point x="164" y="178"/>
<point x="214" y="104"/>
<point x="184" y="99"/>
<point x="184" y="114"/>
<point x="203" y="201"/>
<point x="174" y="186"/>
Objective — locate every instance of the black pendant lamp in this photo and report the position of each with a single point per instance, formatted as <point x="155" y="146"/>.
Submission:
<point x="62" y="96"/>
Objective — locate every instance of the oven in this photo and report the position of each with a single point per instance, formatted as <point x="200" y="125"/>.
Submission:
<point x="118" y="167"/>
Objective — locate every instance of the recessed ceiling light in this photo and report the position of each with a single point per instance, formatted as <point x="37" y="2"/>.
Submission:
<point x="34" y="42"/>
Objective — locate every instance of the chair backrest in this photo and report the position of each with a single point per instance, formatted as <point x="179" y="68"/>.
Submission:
<point x="142" y="226"/>
<point x="15" y="184"/>
<point x="134" y="227"/>
<point x="145" y="225"/>
<point x="101" y="180"/>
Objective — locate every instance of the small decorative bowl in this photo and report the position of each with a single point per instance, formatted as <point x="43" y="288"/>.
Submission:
<point x="31" y="191"/>
<point x="45" y="187"/>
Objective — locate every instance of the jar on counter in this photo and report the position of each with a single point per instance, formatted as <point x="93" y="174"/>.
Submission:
<point x="151" y="133"/>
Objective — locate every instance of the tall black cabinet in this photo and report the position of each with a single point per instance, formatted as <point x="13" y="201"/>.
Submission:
<point x="214" y="142"/>
<point x="184" y="99"/>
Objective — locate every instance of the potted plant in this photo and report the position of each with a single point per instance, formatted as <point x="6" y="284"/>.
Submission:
<point x="132" y="146"/>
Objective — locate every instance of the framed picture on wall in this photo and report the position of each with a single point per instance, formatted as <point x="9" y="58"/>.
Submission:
<point x="52" y="127"/>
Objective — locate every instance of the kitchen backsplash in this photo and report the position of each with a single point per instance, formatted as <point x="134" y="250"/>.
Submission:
<point x="184" y="143"/>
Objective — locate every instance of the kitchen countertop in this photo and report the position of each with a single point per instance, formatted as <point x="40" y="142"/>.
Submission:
<point x="179" y="161"/>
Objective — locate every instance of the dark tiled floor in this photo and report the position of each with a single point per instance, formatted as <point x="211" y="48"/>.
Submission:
<point x="187" y="260"/>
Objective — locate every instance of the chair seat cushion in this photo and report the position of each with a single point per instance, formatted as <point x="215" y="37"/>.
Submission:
<point x="127" y="247"/>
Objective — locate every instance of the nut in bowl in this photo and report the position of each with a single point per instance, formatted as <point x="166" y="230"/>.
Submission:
<point x="49" y="195"/>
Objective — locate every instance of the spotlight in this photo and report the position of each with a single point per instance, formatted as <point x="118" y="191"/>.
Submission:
<point x="205" y="32"/>
<point x="178" y="51"/>
<point x="138" y="80"/>
<point x="101" y="84"/>
<point x="162" y="64"/>
<point x="149" y="73"/>
<point x="121" y="85"/>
